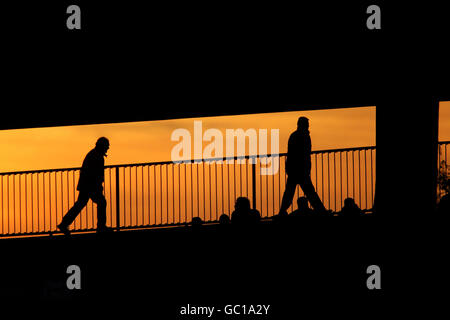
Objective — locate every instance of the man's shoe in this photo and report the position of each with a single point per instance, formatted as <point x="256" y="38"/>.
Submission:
<point x="64" y="230"/>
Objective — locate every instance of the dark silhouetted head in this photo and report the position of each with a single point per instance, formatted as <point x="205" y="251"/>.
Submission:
<point x="224" y="219"/>
<point x="302" y="203"/>
<point x="349" y="203"/>
<point x="102" y="145"/>
<point x="197" y="221"/>
<point x="303" y="123"/>
<point x="242" y="204"/>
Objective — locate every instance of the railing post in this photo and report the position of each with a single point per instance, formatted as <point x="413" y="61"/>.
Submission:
<point x="117" y="200"/>
<point x="254" y="182"/>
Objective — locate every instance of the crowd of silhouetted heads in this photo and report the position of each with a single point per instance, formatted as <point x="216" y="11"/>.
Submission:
<point x="244" y="216"/>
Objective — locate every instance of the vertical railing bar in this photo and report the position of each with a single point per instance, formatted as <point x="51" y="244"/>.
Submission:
<point x="20" y="203"/>
<point x="359" y="176"/>
<point x="80" y="223"/>
<point x="335" y="190"/>
<point x="240" y="176"/>
<point x="173" y="191"/>
<point x="230" y="204"/>
<point x="44" y="200"/>
<point x="222" y="186"/>
<point x="26" y="206"/>
<point x="267" y="190"/>
<point x="131" y="200"/>
<point x="317" y="170"/>
<point x="161" y="193"/>
<point x="142" y="194"/>
<point x="346" y="175"/>
<point x="197" y="190"/>
<point x="234" y="183"/>
<point x="149" y="196"/>
<point x="1" y="208"/>
<point x="110" y="195"/>
<point x="32" y="211"/>
<point x="371" y="178"/>
<point x="329" y="181"/>
<point x="365" y="179"/>
<point x="137" y="194"/>
<point x="124" y="204"/>
<point x="167" y="193"/>
<point x="68" y="192"/>
<point x="273" y="186"/>
<point x="213" y="207"/>
<point x="185" y="192"/>
<point x="279" y="184"/>
<point x="117" y="171"/>
<point x="154" y="190"/>
<point x="353" y="173"/>
<point x="192" y="190"/>
<point x="56" y="198"/>
<point x="323" y="187"/>
<point x="50" y="199"/>
<point x="204" y="195"/>
<point x="211" y="217"/>
<point x="37" y="193"/>
<point x="14" y="201"/>
<point x="340" y="167"/>
<point x="254" y="183"/>
<point x="216" y="189"/>
<point x="7" y="201"/>
<point x="179" y="193"/>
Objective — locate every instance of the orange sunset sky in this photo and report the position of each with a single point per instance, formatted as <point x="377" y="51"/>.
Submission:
<point x="149" y="141"/>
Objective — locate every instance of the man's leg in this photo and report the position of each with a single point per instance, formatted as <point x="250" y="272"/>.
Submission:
<point x="311" y="194"/>
<point x="72" y="214"/>
<point x="288" y="195"/>
<point x="100" y="200"/>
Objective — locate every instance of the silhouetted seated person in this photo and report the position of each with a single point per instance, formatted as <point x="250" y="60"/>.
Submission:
<point x="298" y="168"/>
<point x="303" y="209"/>
<point x="224" y="220"/>
<point x="90" y="186"/>
<point x="243" y="214"/>
<point x="196" y="223"/>
<point x="281" y="218"/>
<point x="350" y="209"/>
<point x="443" y="206"/>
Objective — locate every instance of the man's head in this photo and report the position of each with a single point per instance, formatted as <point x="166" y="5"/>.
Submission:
<point x="303" y="123"/>
<point x="349" y="203"/>
<point x="242" y="204"/>
<point x="102" y="145"/>
<point x="302" y="203"/>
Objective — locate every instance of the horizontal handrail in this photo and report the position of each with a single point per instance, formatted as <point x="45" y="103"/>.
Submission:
<point x="183" y="161"/>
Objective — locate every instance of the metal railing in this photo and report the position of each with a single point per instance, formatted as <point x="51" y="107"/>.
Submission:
<point x="165" y="194"/>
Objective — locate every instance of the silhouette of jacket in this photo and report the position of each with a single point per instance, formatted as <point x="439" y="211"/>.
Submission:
<point x="245" y="217"/>
<point x="350" y="209"/>
<point x="299" y="153"/>
<point x="92" y="173"/>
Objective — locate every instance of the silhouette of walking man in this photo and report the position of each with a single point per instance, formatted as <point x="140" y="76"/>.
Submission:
<point x="90" y="186"/>
<point x="298" y="168"/>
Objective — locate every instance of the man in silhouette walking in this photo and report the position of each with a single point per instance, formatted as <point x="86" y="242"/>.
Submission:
<point x="90" y="186"/>
<point x="298" y="168"/>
